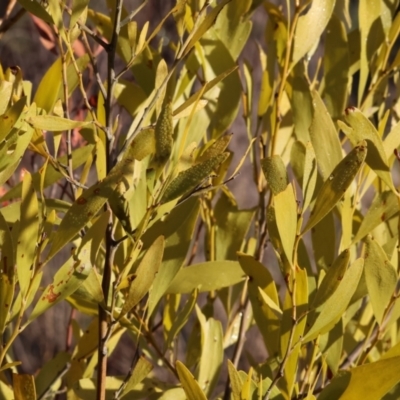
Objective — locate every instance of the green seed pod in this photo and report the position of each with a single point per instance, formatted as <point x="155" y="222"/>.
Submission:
<point x="143" y="144"/>
<point x="275" y="172"/>
<point x="163" y="134"/>
<point x="188" y="180"/>
<point x="336" y="185"/>
<point x="215" y="148"/>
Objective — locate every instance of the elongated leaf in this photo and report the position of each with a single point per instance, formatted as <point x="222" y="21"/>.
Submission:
<point x="212" y="354"/>
<point x="204" y="26"/>
<point x="207" y="276"/>
<point x="336" y="67"/>
<point x="189" y="384"/>
<point x="45" y="98"/>
<point x="142" y="368"/>
<point x="181" y="319"/>
<point x="11" y="151"/>
<point x="177" y="229"/>
<point x="286" y="219"/>
<point x="36" y="9"/>
<point x="287" y="325"/>
<point x="235" y="381"/>
<point x="50" y="372"/>
<point x="332" y="279"/>
<point x="384" y="207"/>
<point x="335" y="186"/>
<point x="208" y="86"/>
<point x="331" y="311"/>
<point x="380" y="276"/>
<point x="7" y="272"/>
<point x="368" y="381"/>
<point x="28" y="233"/>
<point x="11" y="117"/>
<point x="144" y="275"/>
<point x="310" y="27"/>
<point x="266" y="318"/>
<point x="324" y="138"/>
<point x="370" y="40"/>
<point x="53" y="123"/>
<point x="230" y="219"/>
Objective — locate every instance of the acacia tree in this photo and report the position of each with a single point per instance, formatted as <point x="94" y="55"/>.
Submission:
<point x="129" y="201"/>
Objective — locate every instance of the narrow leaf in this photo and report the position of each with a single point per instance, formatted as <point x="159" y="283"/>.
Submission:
<point x="380" y="276"/>
<point x="189" y="384"/>
<point x="207" y="276"/>
<point x="144" y="275"/>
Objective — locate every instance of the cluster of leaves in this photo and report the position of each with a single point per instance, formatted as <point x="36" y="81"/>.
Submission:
<point x="144" y="191"/>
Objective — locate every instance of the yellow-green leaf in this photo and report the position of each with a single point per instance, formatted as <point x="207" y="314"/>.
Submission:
<point x="324" y="137"/>
<point x="207" y="276"/>
<point x="204" y="26"/>
<point x="142" y="368"/>
<point x="384" y="206"/>
<point x="189" y="384"/>
<point x="332" y="310"/>
<point x="368" y="381"/>
<point x="266" y="318"/>
<point x="144" y="275"/>
<point x="28" y="233"/>
<point x="380" y="276"/>
<point x="177" y="228"/>
<point x="332" y="279"/>
<point x="310" y="27"/>
<point x="212" y="353"/>
<point x="53" y="123"/>
<point x="286" y="219"/>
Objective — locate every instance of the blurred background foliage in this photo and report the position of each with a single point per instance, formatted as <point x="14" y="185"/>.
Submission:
<point x="199" y="199"/>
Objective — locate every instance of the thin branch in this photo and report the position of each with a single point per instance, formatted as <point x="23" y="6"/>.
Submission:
<point x="105" y="326"/>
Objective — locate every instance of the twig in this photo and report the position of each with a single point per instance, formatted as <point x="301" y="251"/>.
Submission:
<point x="105" y="327"/>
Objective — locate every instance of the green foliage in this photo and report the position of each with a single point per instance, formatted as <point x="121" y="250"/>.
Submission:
<point x="127" y="213"/>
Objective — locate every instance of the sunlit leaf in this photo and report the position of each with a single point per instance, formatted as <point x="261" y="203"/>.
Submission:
<point x="310" y="27"/>
<point x="144" y="275"/>
<point x="211" y="275"/>
<point x="286" y="219"/>
<point x="331" y="311"/>
<point x="332" y="279"/>
<point x="28" y="234"/>
<point x="380" y="276"/>
<point x="53" y="123"/>
<point x="189" y="384"/>
<point x="372" y="380"/>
